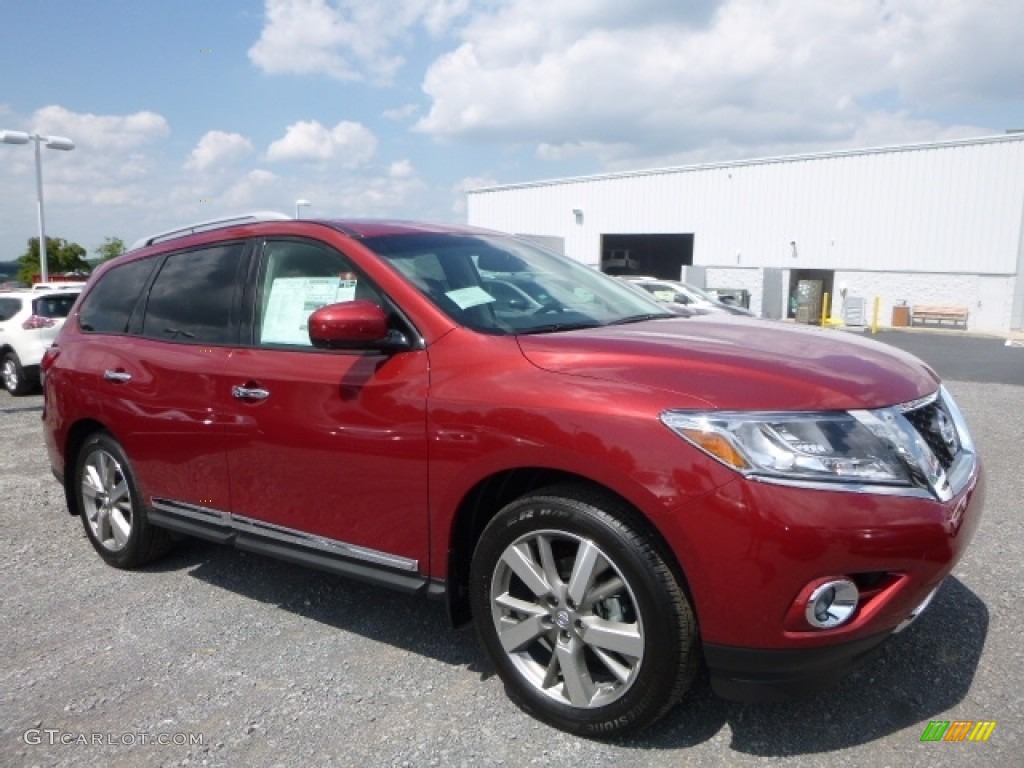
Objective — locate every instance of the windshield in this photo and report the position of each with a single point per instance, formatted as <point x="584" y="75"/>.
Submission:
<point x="501" y="285"/>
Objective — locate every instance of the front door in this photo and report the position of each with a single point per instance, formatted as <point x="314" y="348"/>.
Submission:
<point x="326" y="442"/>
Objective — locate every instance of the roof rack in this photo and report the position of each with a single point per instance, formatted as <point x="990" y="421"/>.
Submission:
<point x="205" y="226"/>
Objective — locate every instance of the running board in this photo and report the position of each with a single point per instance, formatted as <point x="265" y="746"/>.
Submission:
<point x="367" y="565"/>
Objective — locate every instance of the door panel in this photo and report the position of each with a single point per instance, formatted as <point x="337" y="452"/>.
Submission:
<point x="337" y="447"/>
<point x="159" y="399"/>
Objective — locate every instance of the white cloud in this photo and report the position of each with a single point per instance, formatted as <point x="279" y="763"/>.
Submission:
<point x="401" y="113"/>
<point x="111" y="164"/>
<point x="350" y="144"/>
<point x="100" y="131"/>
<point x="216" y="148"/>
<point x="465" y="185"/>
<point x="401" y="169"/>
<point x="474" y="182"/>
<point x="346" y="39"/>
<point x="736" y="77"/>
<point x="251" y="189"/>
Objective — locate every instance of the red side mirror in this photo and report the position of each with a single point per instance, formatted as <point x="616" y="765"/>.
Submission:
<point x="358" y="323"/>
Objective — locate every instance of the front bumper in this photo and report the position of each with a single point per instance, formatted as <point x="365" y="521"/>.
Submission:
<point x="760" y="676"/>
<point x="772" y="675"/>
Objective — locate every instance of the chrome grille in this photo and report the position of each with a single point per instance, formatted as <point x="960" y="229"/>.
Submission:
<point x="936" y="427"/>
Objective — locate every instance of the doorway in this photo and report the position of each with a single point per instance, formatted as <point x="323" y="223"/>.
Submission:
<point x="661" y="255"/>
<point x="807" y="289"/>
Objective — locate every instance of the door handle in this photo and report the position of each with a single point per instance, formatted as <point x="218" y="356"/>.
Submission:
<point x="119" y="376"/>
<point x="249" y="393"/>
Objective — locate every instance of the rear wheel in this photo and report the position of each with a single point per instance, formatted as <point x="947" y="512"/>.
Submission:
<point x="16" y="381"/>
<point x="586" y="624"/>
<point x="111" y="507"/>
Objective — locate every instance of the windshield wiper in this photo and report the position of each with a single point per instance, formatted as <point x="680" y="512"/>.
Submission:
<point x="554" y="327"/>
<point x="642" y="318"/>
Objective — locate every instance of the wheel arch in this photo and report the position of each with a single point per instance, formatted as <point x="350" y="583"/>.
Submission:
<point x="492" y="493"/>
<point x="76" y="437"/>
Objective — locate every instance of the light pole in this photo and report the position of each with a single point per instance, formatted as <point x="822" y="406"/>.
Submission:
<point x="53" y="142"/>
<point x="301" y="204"/>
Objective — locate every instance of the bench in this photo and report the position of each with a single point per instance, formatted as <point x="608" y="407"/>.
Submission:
<point x="938" y="314"/>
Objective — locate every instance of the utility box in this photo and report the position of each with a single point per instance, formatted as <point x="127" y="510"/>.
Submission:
<point x="900" y="316"/>
<point x="853" y="311"/>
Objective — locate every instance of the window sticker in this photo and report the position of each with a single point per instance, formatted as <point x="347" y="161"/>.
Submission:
<point x="293" y="299"/>
<point x="470" y="297"/>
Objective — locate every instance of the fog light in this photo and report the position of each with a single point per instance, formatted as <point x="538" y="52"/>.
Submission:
<point x="831" y="604"/>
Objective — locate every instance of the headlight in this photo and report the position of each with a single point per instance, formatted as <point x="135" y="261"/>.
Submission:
<point x="799" y="446"/>
<point x="917" y="447"/>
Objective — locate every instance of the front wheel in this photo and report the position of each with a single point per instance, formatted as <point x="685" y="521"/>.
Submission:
<point x="111" y="506"/>
<point x="586" y="624"/>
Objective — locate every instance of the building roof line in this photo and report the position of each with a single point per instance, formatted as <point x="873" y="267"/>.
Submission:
<point x="999" y="138"/>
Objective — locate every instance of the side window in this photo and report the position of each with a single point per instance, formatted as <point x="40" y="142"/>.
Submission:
<point x="9" y="308"/>
<point x="192" y="296"/>
<point x="298" y="278"/>
<point x="54" y="306"/>
<point x="109" y="305"/>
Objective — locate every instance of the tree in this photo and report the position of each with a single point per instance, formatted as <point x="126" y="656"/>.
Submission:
<point x="62" y="258"/>
<point x="112" y="247"/>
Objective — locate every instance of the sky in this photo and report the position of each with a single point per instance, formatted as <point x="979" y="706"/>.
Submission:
<point x="194" y="109"/>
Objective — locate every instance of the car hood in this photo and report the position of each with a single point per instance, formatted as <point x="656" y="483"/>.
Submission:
<point x="732" y="363"/>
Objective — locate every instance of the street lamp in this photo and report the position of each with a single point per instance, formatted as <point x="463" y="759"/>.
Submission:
<point x="301" y="204"/>
<point x="53" y="142"/>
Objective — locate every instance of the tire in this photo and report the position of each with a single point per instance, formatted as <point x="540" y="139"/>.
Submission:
<point x="585" y="622"/>
<point x="16" y="381"/>
<point x="111" y="506"/>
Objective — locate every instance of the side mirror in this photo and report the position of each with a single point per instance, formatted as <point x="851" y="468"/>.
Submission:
<point x="358" y="324"/>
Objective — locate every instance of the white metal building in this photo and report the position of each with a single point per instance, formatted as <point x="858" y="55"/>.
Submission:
<point x="937" y="224"/>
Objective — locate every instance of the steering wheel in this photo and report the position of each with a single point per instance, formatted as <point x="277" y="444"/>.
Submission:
<point x="548" y="309"/>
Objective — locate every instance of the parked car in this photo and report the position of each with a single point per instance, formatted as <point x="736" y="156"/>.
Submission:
<point x="615" y="495"/>
<point x="29" y="321"/>
<point x="60" y="285"/>
<point x="675" y="292"/>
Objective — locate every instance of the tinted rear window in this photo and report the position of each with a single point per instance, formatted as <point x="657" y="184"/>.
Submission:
<point x="54" y="306"/>
<point x="109" y="305"/>
<point x="9" y="307"/>
<point x="191" y="299"/>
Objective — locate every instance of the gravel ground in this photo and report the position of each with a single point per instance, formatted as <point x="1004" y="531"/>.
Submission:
<point x="261" y="663"/>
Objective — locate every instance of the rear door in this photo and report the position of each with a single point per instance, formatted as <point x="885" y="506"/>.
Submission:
<point x="155" y="372"/>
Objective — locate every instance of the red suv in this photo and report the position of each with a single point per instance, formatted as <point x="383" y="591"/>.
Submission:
<point x="614" y="494"/>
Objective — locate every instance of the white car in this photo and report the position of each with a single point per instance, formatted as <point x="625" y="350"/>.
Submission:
<point x="673" y="291"/>
<point x="29" y="321"/>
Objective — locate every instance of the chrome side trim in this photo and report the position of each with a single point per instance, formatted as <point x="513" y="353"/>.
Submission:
<point x="293" y="536"/>
<point x="192" y="511"/>
<point x="264" y="530"/>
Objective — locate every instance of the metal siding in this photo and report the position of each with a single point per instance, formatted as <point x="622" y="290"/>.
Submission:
<point x="940" y="208"/>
